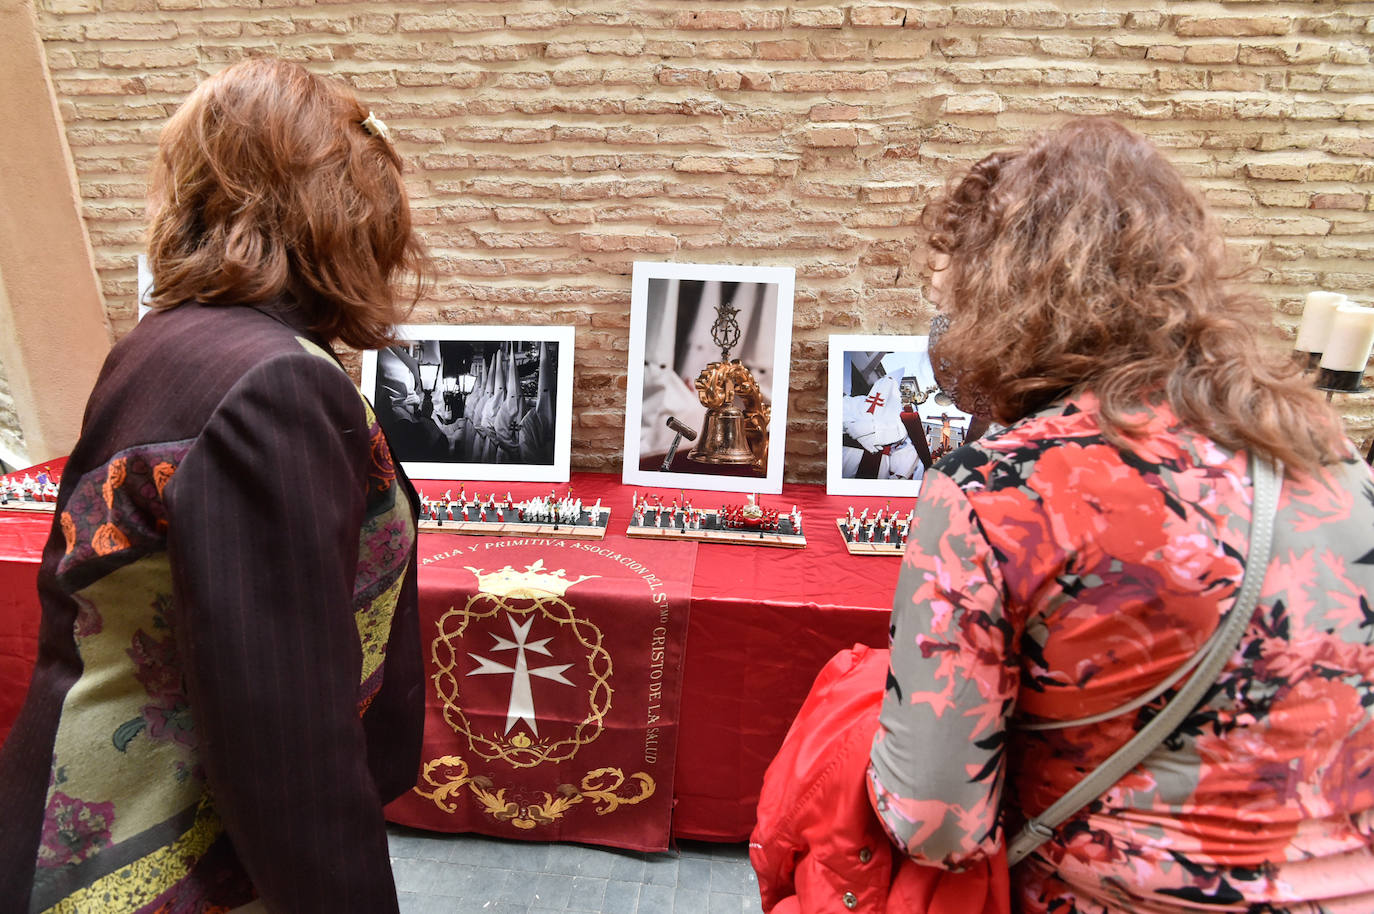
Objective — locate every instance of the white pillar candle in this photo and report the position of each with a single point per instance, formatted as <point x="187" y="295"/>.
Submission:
<point x="1351" y="339"/>
<point x="1316" y="320"/>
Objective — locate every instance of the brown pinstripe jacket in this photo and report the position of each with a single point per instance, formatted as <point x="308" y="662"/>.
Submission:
<point x="229" y="677"/>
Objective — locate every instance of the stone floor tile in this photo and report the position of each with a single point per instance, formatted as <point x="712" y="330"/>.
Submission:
<point x="577" y="860"/>
<point x="695" y="872"/>
<point x="475" y="874"/>
<point x="478" y="850"/>
<point x="733" y="876"/>
<point x="411" y="903"/>
<point x="621" y="897"/>
<point x="660" y="869"/>
<point x="588" y="894"/>
<point x="628" y="867"/>
<point x="724" y="903"/>
<point x="516" y="888"/>
<point x="689" y="900"/>
<point x="414" y="843"/>
<point x="431" y="877"/>
<point x="486" y="882"/>
<point x="728" y="903"/>
<point x="551" y="890"/>
<point x="655" y="899"/>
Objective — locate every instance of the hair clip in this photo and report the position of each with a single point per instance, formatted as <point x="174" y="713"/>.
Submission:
<point x="376" y="126"/>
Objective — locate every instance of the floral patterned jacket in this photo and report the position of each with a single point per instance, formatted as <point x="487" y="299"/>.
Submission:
<point x="1052" y="577"/>
<point x="229" y="674"/>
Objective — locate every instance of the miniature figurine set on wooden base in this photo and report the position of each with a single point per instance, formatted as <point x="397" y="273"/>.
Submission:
<point x="882" y="534"/>
<point x="29" y="493"/>
<point x="551" y="515"/>
<point x="747" y="524"/>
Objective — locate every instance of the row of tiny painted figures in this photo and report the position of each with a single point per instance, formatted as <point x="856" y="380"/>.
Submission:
<point x="725" y="517"/>
<point x="43" y="488"/>
<point x="547" y="510"/>
<point x="881" y="528"/>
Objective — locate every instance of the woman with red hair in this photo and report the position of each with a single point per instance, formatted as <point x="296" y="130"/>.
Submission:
<point x="229" y="674"/>
<point x="1063" y="568"/>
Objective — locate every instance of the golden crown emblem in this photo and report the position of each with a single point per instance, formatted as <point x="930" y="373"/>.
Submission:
<point x="532" y="583"/>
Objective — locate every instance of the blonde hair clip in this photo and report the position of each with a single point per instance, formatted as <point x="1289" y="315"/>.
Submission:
<point x="376" y="126"/>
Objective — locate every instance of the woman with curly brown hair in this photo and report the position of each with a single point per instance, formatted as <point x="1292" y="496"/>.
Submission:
<point x="1064" y="568"/>
<point x="229" y="673"/>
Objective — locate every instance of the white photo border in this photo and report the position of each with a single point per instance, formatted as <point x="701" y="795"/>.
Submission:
<point x="560" y="469"/>
<point x="835" y="482"/>
<point x="782" y="277"/>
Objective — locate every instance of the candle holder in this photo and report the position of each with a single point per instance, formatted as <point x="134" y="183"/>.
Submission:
<point x="1309" y="361"/>
<point x="1314" y="331"/>
<point x="1339" y="382"/>
<point x="1350" y="339"/>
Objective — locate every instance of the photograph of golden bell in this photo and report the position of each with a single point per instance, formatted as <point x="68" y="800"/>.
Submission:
<point x="731" y="435"/>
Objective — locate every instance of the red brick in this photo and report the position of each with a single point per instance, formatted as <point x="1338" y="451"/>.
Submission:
<point x="816" y="18"/>
<point x="830" y="136"/>
<point x="1353" y="201"/>
<point x="868" y="16"/>
<point x="1212" y="52"/>
<point x="646" y="243"/>
<point x="671" y="76"/>
<point x="701" y="165"/>
<point x="902" y="49"/>
<point x="726" y="50"/>
<point x="828" y="48"/>
<point x="1217" y="26"/>
<point x="148" y="58"/>
<point x="709" y="19"/>
<point x="781" y="50"/>
<point x="821" y="81"/>
<point x="100" y="85"/>
<point x="124" y="30"/>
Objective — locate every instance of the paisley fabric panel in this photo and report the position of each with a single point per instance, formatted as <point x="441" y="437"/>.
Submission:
<point x="115" y="512"/>
<point x="384" y="550"/>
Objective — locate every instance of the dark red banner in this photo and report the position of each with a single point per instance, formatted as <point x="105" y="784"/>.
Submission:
<point x="554" y="685"/>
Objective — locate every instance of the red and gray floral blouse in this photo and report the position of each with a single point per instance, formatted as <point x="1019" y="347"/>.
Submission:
<point x="1052" y="576"/>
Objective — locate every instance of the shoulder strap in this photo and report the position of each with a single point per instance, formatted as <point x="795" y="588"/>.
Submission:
<point x="1268" y="480"/>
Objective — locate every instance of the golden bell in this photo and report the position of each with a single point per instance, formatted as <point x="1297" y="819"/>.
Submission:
<point x="943" y="399"/>
<point x="723" y="438"/>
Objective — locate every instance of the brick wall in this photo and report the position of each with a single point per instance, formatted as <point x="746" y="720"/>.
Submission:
<point x="552" y="144"/>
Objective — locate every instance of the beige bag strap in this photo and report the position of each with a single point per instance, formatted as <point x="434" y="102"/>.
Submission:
<point x="1268" y="479"/>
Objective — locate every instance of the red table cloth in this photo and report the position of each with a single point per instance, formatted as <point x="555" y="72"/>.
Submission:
<point x="551" y="712"/>
<point x="761" y="623"/>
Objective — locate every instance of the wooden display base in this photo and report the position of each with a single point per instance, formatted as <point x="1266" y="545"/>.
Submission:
<point x="861" y="546"/>
<point x="709" y="532"/>
<point x="28" y="504"/>
<point x="490" y="525"/>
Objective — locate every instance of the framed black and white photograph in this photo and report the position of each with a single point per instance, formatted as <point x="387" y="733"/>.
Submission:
<point x="479" y="403"/>
<point x="706" y="395"/>
<point x="888" y="419"/>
